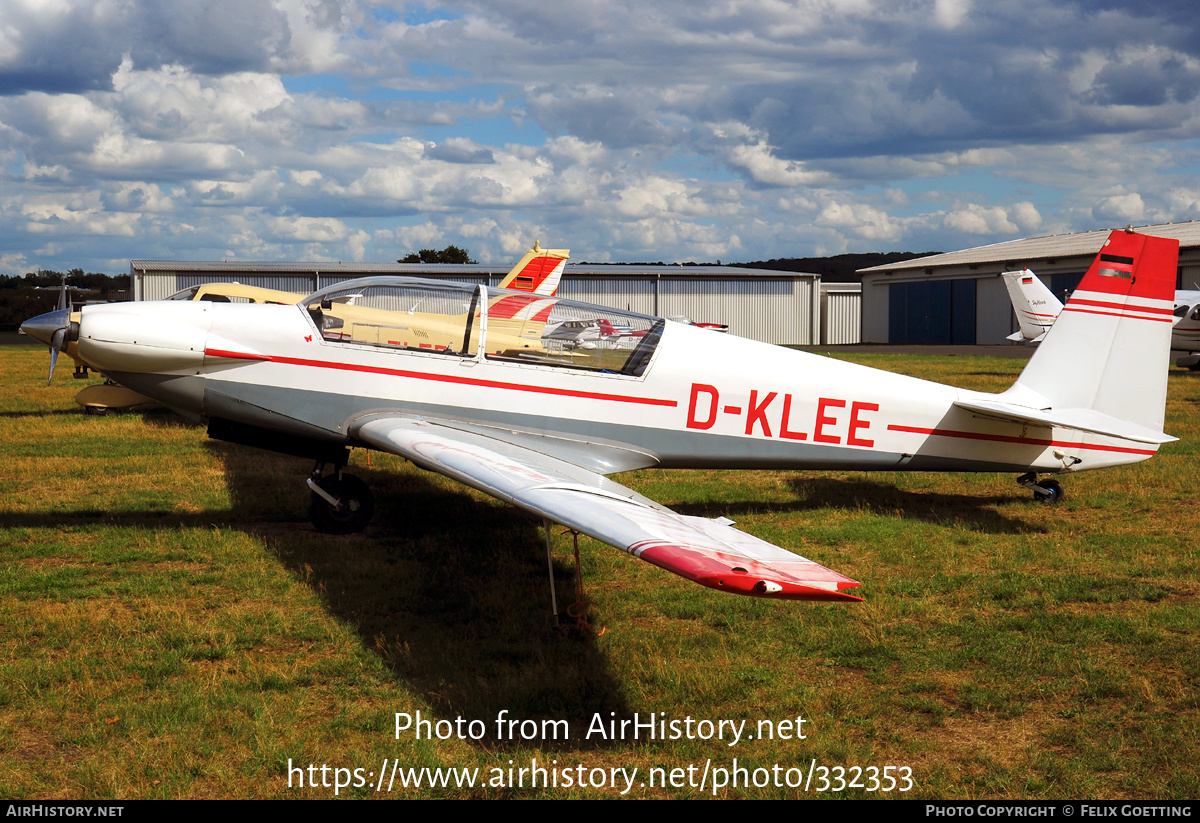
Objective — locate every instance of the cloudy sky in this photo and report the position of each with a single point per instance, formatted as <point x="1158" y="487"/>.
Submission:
<point x="666" y="130"/>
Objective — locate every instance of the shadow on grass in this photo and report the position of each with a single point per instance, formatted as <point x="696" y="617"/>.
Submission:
<point x="38" y="414"/>
<point x="879" y="497"/>
<point x="449" y="591"/>
<point x="976" y="511"/>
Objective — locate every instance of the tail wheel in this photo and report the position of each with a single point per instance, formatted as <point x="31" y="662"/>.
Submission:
<point x="355" y="506"/>
<point x="1053" y="492"/>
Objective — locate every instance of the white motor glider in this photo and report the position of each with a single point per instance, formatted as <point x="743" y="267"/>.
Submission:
<point x="475" y="384"/>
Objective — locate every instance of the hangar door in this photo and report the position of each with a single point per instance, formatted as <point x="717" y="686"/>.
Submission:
<point x="932" y="312"/>
<point x="1062" y="284"/>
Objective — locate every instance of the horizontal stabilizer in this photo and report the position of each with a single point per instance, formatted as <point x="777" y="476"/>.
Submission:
<point x="1088" y="420"/>
<point x="1017" y="337"/>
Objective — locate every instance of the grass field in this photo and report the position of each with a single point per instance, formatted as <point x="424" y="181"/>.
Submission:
<point x="172" y="627"/>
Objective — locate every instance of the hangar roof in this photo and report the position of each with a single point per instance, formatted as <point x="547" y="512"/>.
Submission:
<point x="1082" y="244"/>
<point x="448" y="269"/>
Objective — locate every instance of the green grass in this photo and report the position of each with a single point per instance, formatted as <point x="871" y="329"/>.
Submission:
<point x="172" y="626"/>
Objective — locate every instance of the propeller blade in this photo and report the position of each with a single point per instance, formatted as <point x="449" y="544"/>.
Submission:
<point x="58" y="342"/>
<point x="50" y="328"/>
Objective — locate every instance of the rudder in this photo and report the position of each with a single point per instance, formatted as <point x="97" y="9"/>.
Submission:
<point x="1109" y="350"/>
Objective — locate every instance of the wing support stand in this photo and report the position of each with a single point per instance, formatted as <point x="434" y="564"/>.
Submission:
<point x="550" y="567"/>
<point x="578" y="609"/>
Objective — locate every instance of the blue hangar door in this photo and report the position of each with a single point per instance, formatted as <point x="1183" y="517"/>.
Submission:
<point x="932" y="312"/>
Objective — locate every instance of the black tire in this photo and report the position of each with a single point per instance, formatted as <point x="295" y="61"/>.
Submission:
<point x="1055" y="490"/>
<point x="354" y="513"/>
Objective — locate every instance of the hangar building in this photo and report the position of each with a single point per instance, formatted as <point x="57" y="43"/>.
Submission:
<point x="772" y="306"/>
<point x="959" y="297"/>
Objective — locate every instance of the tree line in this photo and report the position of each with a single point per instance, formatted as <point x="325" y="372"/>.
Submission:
<point x="36" y="293"/>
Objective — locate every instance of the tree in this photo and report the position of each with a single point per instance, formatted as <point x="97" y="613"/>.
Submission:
<point x="450" y="254"/>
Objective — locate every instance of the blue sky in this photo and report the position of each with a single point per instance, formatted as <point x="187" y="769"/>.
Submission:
<point x="732" y="130"/>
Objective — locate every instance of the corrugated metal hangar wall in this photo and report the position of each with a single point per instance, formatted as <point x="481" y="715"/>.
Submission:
<point x="775" y="307"/>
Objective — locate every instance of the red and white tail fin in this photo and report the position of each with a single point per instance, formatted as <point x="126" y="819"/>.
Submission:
<point x="1109" y="350"/>
<point x="1035" y="305"/>
<point x="538" y="271"/>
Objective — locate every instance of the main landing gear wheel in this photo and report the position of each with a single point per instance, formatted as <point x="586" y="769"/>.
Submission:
<point x="1044" y="491"/>
<point x="355" y="505"/>
<point x="1053" y="492"/>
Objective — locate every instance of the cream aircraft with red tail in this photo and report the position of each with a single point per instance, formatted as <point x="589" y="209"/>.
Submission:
<point x="530" y="406"/>
<point x="539" y="271"/>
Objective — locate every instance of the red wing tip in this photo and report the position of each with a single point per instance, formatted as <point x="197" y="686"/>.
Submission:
<point x="776" y="590"/>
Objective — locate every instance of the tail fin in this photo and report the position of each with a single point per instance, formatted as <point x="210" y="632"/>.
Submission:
<point x="1035" y="305"/>
<point x="1109" y="351"/>
<point x="538" y="271"/>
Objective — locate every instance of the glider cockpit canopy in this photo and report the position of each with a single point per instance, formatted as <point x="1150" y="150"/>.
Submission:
<point x="463" y="320"/>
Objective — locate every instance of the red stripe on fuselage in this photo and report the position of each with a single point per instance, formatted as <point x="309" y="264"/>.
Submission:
<point x="443" y="378"/>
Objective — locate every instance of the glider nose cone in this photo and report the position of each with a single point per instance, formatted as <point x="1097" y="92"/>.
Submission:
<point x="43" y="327"/>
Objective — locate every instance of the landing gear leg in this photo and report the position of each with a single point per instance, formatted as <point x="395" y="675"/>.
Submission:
<point x="1044" y="491"/>
<point x="341" y="503"/>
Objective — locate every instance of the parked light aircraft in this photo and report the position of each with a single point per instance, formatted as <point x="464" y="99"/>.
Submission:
<point x="1035" y="305"/>
<point x="1037" y="308"/>
<point x="423" y="369"/>
<point x="1185" y="335"/>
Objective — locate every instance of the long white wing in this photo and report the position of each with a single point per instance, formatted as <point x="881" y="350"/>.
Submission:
<point x="708" y="552"/>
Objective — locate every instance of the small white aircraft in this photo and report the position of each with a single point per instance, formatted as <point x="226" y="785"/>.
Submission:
<point x="1185" y="335"/>
<point x="449" y="377"/>
<point x="1035" y="305"/>
<point x="1037" y="308"/>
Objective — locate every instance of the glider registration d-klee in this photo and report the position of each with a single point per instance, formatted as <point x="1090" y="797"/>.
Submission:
<point x="535" y="399"/>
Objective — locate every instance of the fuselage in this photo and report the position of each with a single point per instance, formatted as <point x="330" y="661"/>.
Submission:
<point x="696" y="398"/>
